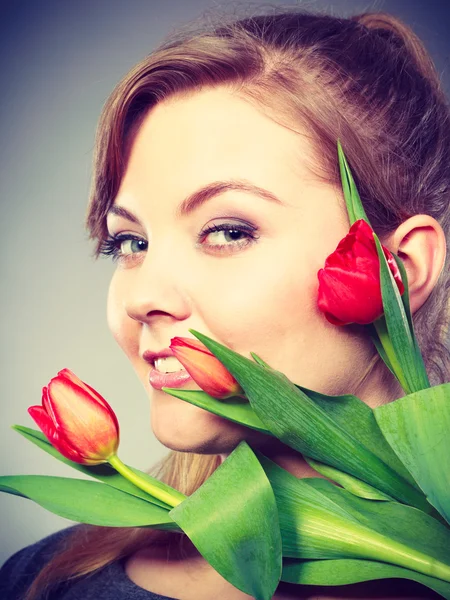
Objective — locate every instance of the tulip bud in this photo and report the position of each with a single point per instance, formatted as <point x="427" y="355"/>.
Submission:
<point x="204" y="368"/>
<point x="77" y="421"/>
<point x="349" y="283"/>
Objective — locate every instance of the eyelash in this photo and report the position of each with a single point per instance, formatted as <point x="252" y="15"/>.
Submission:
<point x="111" y="245"/>
<point x="249" y="230"/>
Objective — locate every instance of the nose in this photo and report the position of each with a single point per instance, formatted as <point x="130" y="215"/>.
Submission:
<point x="155" y="289"/>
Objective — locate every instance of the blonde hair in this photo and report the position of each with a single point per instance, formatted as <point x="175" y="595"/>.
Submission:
<point x="366" y="80"/>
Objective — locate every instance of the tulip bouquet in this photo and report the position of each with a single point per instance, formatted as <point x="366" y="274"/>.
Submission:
<point x="389" y="515"/>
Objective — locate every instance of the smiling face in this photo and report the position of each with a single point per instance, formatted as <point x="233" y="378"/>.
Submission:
<point x="237" y="262"/>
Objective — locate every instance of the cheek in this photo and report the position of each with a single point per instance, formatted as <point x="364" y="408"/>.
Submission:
<point x="267" y="303"/>
<point x="257" y="304"/>
<point x="124" y="329"/>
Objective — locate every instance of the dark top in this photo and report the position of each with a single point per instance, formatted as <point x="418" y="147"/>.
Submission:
<point x="109" y="583"/>
<point x="112" y="583"/>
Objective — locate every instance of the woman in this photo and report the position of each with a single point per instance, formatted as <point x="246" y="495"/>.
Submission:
<point x="216" y="192"/>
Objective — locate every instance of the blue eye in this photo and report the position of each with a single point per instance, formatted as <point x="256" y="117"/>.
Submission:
<point x="222" y="238"/>
<point x="122" y="245"/>
<point x="227" y="236"/>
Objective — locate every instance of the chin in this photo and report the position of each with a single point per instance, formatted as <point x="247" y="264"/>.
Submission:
<point x="196" y="446"/>
<point x="183" y="427"/>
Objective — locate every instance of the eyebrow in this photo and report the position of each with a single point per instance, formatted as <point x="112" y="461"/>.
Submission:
<point x="205" y="193"/>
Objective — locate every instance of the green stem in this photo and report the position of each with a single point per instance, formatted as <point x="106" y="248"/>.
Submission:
<point x="369" y="544"/>
<point x="153" y="490"/>
<point x="409" y="558"/>
<point x="383" y="334"/>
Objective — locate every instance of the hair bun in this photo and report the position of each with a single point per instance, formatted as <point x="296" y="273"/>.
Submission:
<point x="400" y="35"/>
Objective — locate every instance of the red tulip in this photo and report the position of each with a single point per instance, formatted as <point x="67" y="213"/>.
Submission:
<point x="77" y="421"/>
<point x="349" y="284"/>
<point x="204" y="368"/>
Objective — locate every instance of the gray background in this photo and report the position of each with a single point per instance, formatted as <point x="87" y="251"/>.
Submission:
<point x="59" y="60"/>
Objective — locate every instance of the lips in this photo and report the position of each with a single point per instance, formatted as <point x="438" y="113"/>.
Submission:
<point x="150" y="356"/>
<point x="159" y="380"/>
<point x="173" y="380"/>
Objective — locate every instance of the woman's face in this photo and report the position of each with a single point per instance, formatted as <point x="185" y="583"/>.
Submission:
<point x="251" y="283"/>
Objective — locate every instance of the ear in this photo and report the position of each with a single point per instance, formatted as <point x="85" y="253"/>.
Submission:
<point x="420" y="243"/>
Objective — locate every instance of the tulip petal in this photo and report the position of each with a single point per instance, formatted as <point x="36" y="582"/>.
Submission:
<point x="191" y="343"/>
<point x="69" y="375"/>
<point x="393" y="266"/>
<point x="85" y="424"/>
<point x="204" y="368"/>
<point x="45" y="423"/>
<point x="47" y="406"/>
<point x="349" y="297"/>
<point x="349" y="283"/>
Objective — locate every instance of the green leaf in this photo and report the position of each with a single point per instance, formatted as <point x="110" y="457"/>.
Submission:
<point x="347" y="571"/>
<point x="406" y="306"/>
<point x="87" y="501"/>
<point x="348" y="482"/>
<point x="399" y="344"/>
<point x="319" y="520"/>
<point x="404" y="524"/>
<point x="104" y="472"/>
<point x="233" y="410"/>
<point x="405" y="295"/>
<point x="232" y="520"/>
<point x="389" y="353"/>
<point x="353" y="202"/>
<point x="356" y="417"/>
<point x="379" y="346"/>
<point x="406" y="361"/>
<point x="301" y="424"/>
<point x="417" y="427"/>
<point x="347" y="410"/>
<point x="260" y="361"/>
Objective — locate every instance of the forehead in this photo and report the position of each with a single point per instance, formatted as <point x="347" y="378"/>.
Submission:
<point x="190" y="140"/>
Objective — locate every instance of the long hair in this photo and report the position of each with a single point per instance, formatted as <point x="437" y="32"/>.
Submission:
<point x="367" y="81"/>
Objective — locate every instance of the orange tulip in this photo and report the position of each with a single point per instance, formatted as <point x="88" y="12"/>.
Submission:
<point x="204" y="368"/>
<point x="77" y="421"/>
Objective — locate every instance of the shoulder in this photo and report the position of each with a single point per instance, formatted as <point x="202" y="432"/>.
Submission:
<point x="109" y="583"/>
<point x="19" y="571"/>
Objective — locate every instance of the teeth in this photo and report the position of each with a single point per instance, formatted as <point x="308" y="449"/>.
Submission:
<point x="168" y="365"/>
